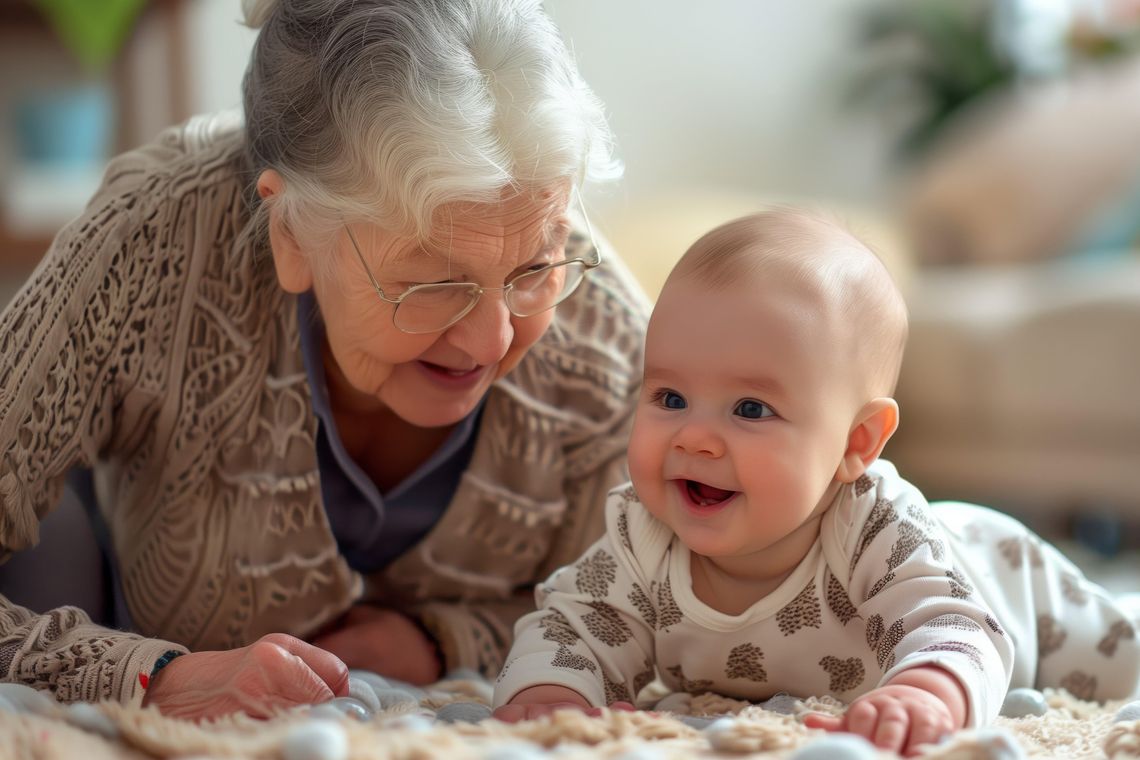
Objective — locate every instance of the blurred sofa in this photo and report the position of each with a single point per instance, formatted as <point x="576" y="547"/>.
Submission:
<point x="1021" y="387"/>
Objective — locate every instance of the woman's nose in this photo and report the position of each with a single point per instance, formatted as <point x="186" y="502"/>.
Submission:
<point x="485" y="333"/>
<point x="699" y="439"/>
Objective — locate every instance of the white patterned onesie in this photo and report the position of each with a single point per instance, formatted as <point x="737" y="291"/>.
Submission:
<point x="891" y="583"/>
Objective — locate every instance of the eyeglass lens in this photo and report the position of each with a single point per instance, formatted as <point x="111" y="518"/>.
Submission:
<point x="430" y="308"/>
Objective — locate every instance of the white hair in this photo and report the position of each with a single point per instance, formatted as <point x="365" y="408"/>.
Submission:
<point x="384" y="110"/>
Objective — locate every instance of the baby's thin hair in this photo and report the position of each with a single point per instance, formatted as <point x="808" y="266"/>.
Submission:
<point x="818" y="249"/>
<point x="750" y="244"/>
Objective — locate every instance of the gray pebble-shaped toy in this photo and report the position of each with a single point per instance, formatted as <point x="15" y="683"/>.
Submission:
<point x="326" y="711"/>
<point x="353" y="708"/>
<point x="464" y="674"/>
<point x="999" y="744"/>
<point x="388" y="698"/>
<point x="475" y="690"/>
<point x="1022" y="703"/>
<point x="362" y="691"/>
<point x="784" y="704"/>
<point x="89" y="718"/>
<point x="1128" y="712"/>
<point x="374" y="680"/>
<point x="415" y="691"/>
<point x="25" y="699"/>
<point x="515" y="751"/>
<point x="677" y="702"/>
<point x="837" y="747"/>
<point x="463" y="712"/>
<point x="720" y="733"/>
<point x="315" y="740"/>
<point x="695" y="721"/>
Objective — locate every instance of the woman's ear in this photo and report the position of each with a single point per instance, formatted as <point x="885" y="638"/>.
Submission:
<point x="293" y="270"/>
<point x="876" y="422"/>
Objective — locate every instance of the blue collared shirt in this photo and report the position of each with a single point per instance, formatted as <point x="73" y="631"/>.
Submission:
<point x="371" y="528"/>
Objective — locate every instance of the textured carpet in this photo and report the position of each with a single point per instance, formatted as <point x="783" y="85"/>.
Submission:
<point x="1070" y="730"/>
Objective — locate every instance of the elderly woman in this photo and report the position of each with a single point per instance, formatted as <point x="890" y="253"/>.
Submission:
<point x="334" y="416"/>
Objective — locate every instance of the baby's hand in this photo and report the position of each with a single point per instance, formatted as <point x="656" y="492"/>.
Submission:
<point x="897" y="718"/>
<point x="538" y="701"/>
<point x="918" y="706"/>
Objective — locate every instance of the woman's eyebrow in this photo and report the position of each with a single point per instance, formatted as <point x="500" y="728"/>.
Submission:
<point x="558" y="231"/>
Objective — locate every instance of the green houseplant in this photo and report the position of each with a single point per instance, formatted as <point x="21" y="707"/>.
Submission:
<point x="72" y="124"/>
<point x="93" y="30"/>
<point x="939" y="56"/>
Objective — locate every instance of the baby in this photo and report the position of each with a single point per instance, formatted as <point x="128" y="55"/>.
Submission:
<point x="763" y="546"/>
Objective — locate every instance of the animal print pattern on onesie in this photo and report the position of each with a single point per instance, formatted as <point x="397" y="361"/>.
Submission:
<point x="802" y="612"/>
<point x="744" y="662"/>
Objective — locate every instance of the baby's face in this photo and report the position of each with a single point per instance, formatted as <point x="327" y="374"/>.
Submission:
<point x="744" y="415"/>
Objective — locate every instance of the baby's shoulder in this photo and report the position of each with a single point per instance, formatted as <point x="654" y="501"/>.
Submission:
<point x="872" y="509"/>
<point x="633" y="530"/>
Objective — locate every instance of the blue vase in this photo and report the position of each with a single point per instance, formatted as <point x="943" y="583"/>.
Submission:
<point x="65" y="126"/>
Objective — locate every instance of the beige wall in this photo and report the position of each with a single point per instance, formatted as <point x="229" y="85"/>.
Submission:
<point x="730" y="94"/>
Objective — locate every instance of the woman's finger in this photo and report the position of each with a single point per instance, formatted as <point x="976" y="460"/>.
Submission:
<point x="329" y="668"/>
<point x="270" y="677"/>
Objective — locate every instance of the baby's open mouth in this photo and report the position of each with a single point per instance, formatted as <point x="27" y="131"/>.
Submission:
<point x="704" y="495"/>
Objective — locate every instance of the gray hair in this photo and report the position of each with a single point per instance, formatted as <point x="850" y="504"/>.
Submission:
<point x="385" y="110"/>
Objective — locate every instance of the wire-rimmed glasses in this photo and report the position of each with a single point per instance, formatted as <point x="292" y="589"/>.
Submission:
<point x="433" y="307"/>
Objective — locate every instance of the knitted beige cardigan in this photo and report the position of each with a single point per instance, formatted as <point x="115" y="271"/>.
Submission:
<point x="154" y="344"/>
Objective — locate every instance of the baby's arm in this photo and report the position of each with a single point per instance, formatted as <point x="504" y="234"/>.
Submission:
<point x="917" y="706"/>
<point x="944" y="661"/>
<point x="588" y="644"/>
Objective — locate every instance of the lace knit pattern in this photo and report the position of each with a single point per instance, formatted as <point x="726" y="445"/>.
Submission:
<point x="155" y="346"/>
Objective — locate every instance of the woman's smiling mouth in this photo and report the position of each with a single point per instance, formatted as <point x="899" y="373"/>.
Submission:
<point x="453" y="379"/>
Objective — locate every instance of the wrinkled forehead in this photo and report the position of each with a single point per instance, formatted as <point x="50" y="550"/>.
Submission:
<point x="535" y="211"/>
<point x="535" y="215"/>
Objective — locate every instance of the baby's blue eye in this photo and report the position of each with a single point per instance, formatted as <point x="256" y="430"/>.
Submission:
<point x="751" y="409"/>
<point x="669" y="399"/>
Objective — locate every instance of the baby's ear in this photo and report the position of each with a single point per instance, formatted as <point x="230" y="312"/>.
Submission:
<point x="293" y="271"/>
<point x="874" y="426"/>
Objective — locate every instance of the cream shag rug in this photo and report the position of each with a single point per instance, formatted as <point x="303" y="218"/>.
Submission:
<point x="1070" y="730"/>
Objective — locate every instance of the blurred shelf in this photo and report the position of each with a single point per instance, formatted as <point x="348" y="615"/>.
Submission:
<point x="151" y="71"/>
<point x="35" y="203"/>
<point x="20" y="13"/>
<point x="19" y="253"/>
<point x="150" y="80"/>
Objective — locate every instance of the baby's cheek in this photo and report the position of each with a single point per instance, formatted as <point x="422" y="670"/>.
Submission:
<point x="645" y="464"/>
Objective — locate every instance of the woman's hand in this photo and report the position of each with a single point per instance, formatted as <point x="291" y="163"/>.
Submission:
<point x="274" y="673"/>
<point x="545" y="699"/>
<point x="919" y="706"/>
<point x="384" y="642"/>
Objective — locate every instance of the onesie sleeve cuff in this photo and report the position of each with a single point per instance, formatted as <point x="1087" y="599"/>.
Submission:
<point x="535" y="670"/>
